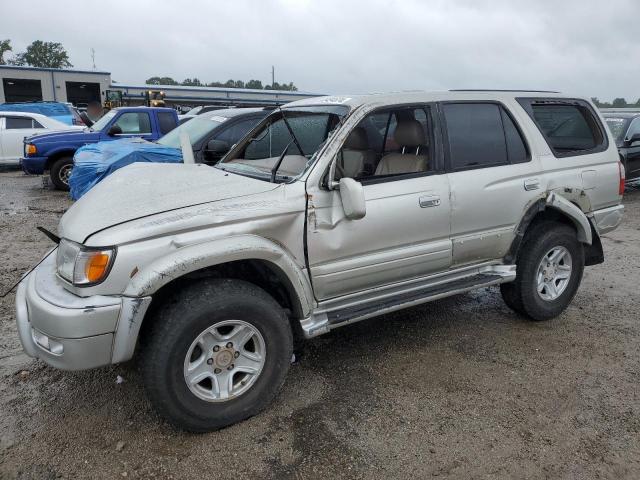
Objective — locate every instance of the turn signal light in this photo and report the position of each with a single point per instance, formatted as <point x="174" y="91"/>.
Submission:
<point x="96" y="267"/>
<point x="31" y="149"/>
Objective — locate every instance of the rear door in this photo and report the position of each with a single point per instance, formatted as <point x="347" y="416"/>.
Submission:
<point x="492" y="175"/>
<point x="15" y="130"/>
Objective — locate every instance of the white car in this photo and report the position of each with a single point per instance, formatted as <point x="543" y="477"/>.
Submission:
<point x="15" y="126"/>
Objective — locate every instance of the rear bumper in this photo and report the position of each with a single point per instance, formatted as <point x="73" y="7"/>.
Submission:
<point x="75" y="333"/>
<point x="607" y="219"/>
<point x="33" y="165"/>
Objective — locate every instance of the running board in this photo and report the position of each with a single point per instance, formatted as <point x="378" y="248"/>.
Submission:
<point x="323" y="322"/>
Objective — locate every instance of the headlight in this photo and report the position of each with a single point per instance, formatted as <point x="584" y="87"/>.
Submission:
<point x="82" y="265"/>
<point x="30" y="149"/>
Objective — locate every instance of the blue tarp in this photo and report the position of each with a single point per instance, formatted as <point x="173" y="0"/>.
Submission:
<point x="96" y="161"/>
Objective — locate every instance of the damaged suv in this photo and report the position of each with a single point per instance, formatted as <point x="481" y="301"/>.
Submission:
<point x="330" y="211"/>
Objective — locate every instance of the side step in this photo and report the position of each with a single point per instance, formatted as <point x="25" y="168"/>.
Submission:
<point x="322" y="322"/>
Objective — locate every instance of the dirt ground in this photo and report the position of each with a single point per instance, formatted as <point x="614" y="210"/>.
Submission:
<point x="459" y="388"/>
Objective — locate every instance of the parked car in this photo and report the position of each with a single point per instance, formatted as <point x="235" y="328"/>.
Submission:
<point x="309" y="223"/>
<point x="211" y="135"/>
<point x="54" y="151"/>
<point x="625" y="128"/>
<point x="15" y="126"/>
<point x="61" y="112"/>
<point x="199" y="110"/>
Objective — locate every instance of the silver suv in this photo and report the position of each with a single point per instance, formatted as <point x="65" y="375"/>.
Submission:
<point x="330" y="211"/>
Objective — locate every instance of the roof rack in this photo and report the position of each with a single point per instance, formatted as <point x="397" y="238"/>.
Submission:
<point x="500" y="90"/>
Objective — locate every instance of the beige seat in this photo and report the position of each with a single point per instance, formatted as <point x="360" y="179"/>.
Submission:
<point x="356" y="154"/>
<point x="409" y="135"/>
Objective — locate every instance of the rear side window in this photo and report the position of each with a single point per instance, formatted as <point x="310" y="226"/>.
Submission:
<point x="482" y="135"/>
<point x="16" y="123"/>
<point x="569" y="127"/>
<point x="166" y="121"/>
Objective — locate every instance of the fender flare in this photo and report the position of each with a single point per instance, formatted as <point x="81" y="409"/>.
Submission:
<point x="579" y="219"/>
<point x="195" y="257"/>
<point x="583" y="226"/>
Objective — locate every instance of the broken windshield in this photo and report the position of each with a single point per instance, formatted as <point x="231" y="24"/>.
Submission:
<point x="285" y="143"/>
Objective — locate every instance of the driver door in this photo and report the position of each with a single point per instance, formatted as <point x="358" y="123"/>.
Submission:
<point x="405" y="233"/>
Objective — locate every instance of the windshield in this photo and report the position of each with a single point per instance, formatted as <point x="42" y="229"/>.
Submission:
<point x="104" y="120"/>
<point x="196" y="129"/>
<point x="618" y="127"/>
<point x="287" y="141"/>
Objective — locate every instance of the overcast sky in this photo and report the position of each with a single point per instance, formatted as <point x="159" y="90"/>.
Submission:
<point x="348" y="46"/>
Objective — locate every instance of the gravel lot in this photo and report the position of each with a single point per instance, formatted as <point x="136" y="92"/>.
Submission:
<point x="459" y="388"/>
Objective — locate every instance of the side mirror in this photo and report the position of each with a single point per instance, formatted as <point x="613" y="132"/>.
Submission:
<point x="634" y="138"/>
<point x="114" y="130"/>
<point x="217" y="147"/>
<point x="352" y="195"/>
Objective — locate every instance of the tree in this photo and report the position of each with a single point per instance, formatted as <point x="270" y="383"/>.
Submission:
<point x="5" y="46"/>
<point x="255" y="84"/>
<point x="191" y="83"/>
<point x="44" y="54"/>
<point x="161" y="81"/>
<point x="619" y="102"/>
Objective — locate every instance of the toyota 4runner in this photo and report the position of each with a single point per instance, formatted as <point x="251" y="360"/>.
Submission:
<point x="330" y="211"/>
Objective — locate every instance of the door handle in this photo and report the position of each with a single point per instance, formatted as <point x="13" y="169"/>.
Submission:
<point x="532" y="184"/>
<point x="429" y="201"/>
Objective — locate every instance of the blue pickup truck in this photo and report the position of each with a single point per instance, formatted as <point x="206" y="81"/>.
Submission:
<point x="54" y="151"/>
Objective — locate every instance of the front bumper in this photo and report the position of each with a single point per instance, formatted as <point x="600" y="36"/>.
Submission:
<point x="33" y="165"/>
<point x="71" y="332"/>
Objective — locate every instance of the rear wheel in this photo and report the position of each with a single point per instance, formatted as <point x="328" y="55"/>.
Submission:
<point x="549" y="272"/>
<point x="217" y="354"/>
<point x="60" y="171"/>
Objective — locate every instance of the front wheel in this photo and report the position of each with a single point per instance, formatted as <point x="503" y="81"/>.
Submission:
<point x="549" y="272"/>
<point x="217" y="354"/>
<point x="60" y="172"/>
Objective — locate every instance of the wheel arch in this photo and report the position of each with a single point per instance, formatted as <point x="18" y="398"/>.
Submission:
<point x="554" y="207"/>
<point x="55" y="156"/>
<point x="247" y="257"/>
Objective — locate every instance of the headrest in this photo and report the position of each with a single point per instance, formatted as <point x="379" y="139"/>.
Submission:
<point x="409" y="133"/>
<point x="357" y="139"/>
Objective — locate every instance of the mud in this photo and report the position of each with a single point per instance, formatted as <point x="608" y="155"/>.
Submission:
<point x="460" y="388"/>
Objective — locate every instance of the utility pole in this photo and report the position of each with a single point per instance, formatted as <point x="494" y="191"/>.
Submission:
<point x="93" y="57"/>
<point x="273" y="76"/>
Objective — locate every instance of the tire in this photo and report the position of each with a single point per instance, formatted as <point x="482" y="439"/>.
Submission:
<point x="176" y="327"/>
<point x="523" y="295"/>
<point x="60" y="171"/>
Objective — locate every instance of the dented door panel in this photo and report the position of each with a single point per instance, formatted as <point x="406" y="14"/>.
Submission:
<point x="400" y="236"/>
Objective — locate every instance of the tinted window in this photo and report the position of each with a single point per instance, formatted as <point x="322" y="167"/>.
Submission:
<point x="569" y="127"/>
<point x="14" y="123"/>
<point x="234" y="133"/>
<point x="634" y="128"/>
<point x="134" y="122"/>
<point x="37" y="124"/>
<point x="475" y="133"/>
<point x="516" y="149"/>
<point x="167" y="122"/>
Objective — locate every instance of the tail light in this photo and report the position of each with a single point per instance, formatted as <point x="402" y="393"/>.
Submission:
<point x="622" y="173"/>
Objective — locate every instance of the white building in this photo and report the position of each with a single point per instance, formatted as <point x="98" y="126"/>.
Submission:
<point x="23" y="84"/>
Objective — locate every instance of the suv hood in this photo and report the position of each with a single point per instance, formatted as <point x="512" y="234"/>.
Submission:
<point x="140" y="190"/>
